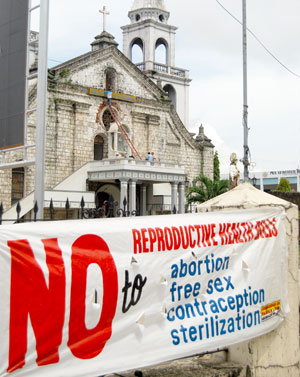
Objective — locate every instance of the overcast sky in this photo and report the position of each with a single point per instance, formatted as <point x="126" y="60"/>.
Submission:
<point x="209" y="45"/>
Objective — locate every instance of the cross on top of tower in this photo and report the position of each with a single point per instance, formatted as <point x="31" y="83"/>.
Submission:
<point x="105" y="13"/>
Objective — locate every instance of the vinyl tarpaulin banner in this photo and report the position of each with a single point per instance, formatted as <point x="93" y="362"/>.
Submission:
<point x="91" y="297"/>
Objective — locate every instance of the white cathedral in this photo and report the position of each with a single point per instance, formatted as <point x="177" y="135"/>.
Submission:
<point x="87" y="153"/>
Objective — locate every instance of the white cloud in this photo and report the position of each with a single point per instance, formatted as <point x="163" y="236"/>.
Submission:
<point x="209" y="44"/>
<point x="224" y="150"/>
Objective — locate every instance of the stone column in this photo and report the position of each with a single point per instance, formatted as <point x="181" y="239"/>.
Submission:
<point x="298" y="182"/>
<point x="123" y="191"/>
<point x="143" y="200"/>
<point x="132" y="195"/>
<point x="174" y="190"/>
<point x="181" y="188"/>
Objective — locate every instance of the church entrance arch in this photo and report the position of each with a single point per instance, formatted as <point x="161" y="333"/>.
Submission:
<point x="107" y="191"/>
<point x="102" y="197"/>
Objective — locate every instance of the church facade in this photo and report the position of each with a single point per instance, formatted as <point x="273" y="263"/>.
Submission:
<point x="87" y="153"/>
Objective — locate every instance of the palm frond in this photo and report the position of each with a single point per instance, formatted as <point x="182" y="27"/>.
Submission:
<point x="205" y="189"/>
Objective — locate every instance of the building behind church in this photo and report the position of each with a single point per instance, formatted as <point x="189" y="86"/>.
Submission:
<point x="87" y="153"/>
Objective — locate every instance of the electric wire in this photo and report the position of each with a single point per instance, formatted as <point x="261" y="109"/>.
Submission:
<point x="56" y="61"/>
<point x="259" y="41"/>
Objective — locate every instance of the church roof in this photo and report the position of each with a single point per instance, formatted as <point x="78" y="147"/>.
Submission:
<point x="156" y="4"/>
<point x="111" y="53"/>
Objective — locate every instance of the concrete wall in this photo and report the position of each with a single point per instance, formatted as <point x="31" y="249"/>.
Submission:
<point x="293" y="197"/>
<point x="277" y="353"/>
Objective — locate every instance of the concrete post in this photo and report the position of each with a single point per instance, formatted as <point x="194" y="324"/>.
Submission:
<point x="174" y="190"/>
<point x="123" y="191"/>
<point x="143" y="204"/>
<point x="41" y="110"/>
<point x="116" y="142"/>
<point x="262" y="181"/>
<point x="276" y="353"/>
<point x="132" y="195"/>
<point x="181" y="188"/>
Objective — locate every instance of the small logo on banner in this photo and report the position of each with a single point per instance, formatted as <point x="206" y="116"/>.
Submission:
<point x="270" y="310"/>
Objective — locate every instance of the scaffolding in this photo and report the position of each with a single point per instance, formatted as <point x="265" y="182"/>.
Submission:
<point x="134" y="151"/>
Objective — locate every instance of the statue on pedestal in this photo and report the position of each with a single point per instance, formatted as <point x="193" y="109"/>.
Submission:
<point x="234" y="174"/>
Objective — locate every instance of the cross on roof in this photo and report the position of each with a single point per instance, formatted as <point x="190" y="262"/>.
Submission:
<point x="105" y="13"/>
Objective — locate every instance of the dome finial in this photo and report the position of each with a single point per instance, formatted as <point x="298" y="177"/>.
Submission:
<point x="156" y="4"/>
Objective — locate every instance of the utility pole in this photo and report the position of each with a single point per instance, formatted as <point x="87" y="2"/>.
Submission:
<point x="245" y="107"/>
<point x="41" y="109"/>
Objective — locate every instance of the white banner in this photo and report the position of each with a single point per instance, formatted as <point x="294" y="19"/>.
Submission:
<point x="92" y="297"/>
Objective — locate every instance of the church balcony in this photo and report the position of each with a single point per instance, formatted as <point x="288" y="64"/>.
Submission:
<point x="163" y="68"/>
<point x="130" y="173"/>
<point x="142" y="170"/>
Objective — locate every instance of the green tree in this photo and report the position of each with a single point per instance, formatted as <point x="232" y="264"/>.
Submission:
<point x="284" y="185"/>
<point x="216" y="167"/>
<point x="205" y="189"/>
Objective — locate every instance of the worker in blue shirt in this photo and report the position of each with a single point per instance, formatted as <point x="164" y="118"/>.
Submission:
<point x="149" y="157"/>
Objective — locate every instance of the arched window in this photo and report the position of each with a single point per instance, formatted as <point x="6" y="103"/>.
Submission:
<point x="107" y="119"/>
<point x="137" y="51"/>
<point x="17" y="185"/>
<point x="161" y="51"/>
<point x="98" y="148"/>
<point x="169" y="89"/>
<point x="110" y="79"/>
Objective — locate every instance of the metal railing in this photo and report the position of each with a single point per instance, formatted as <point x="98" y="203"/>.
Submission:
<point x="13" y="164"/>
<point x="107" y="210"/>
<point x="164" y="68"/>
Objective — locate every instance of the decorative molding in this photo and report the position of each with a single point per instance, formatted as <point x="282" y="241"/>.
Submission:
<point x="134" y="175"/>
<point x="69" y="105"/>
<point x="145" y="118"/>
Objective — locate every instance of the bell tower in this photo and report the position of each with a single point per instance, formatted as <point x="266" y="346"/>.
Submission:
<point x="150" y="33"/>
